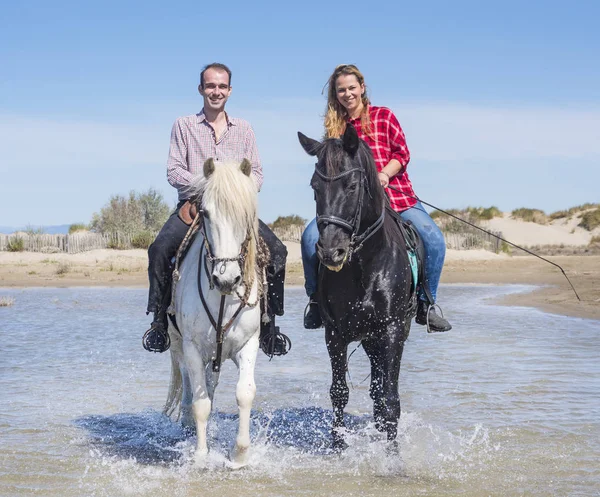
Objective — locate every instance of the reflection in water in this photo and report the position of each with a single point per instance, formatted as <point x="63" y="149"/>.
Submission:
<point x="507" y="402"/>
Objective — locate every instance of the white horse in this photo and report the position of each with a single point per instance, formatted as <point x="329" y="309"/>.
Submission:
<point x="218" y="287"/>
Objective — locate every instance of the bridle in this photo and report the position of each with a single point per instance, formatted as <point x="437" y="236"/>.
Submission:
<point x="209" y="255"/>
<point x="240" y="259"/>
<point x="356" y="241"/>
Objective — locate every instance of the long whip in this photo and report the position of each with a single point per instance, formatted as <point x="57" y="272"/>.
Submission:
<point x="490" y="233"/>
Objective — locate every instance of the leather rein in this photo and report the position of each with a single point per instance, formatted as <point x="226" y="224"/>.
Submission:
<point x="356" y="241"/>
<point x="218" y="323"/>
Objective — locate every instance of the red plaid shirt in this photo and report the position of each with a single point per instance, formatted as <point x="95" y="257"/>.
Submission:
<point x="387" y="142"/>
<point x="193" y="141"/>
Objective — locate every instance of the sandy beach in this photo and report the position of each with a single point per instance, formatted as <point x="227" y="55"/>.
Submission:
<point x="128" y="268"/>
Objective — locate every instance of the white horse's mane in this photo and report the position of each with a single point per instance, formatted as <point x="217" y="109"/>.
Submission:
<point x="230" y="194"/>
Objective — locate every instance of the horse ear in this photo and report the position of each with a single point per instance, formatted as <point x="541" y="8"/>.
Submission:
<point x="209" y="167"/>
<point x="246" y="167"/>
<point x="310" y="146"/>
<point x="350" y="139"/>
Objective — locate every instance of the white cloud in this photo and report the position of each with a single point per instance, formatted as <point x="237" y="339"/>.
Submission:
<point x="450" y="131"/>
<point x="44" y="154"/>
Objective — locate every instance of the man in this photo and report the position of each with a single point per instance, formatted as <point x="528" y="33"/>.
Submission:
<point x="209" y="134"/>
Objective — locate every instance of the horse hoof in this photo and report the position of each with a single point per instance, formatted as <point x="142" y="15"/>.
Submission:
<point x="393" y="449"/>
<point x="239" y="457"/>
<point x="338" y="444"/>
<point x="200" y="458"/>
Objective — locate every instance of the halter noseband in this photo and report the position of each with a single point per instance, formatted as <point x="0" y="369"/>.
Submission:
<point x="356" y="240"/>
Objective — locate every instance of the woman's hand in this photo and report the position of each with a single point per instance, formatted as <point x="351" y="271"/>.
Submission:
<point x="384" y="179"/>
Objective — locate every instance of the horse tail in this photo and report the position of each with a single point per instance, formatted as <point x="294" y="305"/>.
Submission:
<point x="175" y="388"/>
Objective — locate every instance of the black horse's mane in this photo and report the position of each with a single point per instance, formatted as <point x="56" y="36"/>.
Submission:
<point x="334" y="157"/>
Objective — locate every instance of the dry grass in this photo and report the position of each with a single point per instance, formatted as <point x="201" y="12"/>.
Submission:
<point x="63" y="268"/>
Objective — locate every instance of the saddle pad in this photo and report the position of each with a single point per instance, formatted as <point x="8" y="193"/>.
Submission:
<point x="414" y="268"/>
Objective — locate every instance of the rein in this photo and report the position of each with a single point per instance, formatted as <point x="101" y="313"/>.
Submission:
<point x="218" y="323"/>
<point x="491" y="234"/>
<point x="356" y="241"/>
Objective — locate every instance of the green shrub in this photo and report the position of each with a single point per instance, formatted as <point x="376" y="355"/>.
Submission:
<point x="595" y="240"/>
<point x="573" y="210"/>
<point x="138" y="211"/>
<point x="530" y="215"/>
<point x="77" y="227"/>
<point x="482" y="213"/>
<point x="142" y="239"/>
<point x="31" y="230"/>
<point x="16" y="244"/>
<point x="590" y="220"/>
<point x="285" y="221"/>
<point x="116" y="244"/>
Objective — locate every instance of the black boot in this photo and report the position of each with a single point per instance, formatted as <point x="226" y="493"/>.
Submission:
<point x="272" y="341"/>
<point x="157" y="339"/>
<point x="312" y="314"/>
<point x="426" y="315"/>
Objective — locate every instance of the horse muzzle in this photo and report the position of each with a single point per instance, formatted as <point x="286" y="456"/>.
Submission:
<point x="226" y="277"/>
<point x="332" y="258"/>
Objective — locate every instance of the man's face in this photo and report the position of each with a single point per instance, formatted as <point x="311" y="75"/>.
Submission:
<point x="216" y="89"/>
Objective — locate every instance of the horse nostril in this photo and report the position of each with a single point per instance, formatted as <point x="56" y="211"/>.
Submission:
<point x="237" y="280"/>
<point x="215" y="280"/>
<point x="340" y="253"/>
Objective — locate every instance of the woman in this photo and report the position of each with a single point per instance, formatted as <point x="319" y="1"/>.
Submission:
<point x="347" y="102"/>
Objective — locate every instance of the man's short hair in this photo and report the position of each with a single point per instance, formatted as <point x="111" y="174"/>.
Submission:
<point x="218" y="66"/>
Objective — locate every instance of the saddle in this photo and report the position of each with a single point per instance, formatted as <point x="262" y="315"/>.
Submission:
<point x="416" y="254"/>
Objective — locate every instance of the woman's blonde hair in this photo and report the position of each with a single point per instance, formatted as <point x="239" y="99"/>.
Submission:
<point x="336" y="115"/>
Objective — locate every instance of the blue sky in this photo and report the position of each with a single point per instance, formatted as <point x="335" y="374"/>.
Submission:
<point x="500" y="102"/>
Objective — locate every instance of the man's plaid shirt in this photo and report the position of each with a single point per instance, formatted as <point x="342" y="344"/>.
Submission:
<point x="193" y="141"/>
<point x="387" y="142"/>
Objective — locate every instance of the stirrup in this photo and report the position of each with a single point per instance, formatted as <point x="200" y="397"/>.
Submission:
<point x="156" y="339"/>
<point x="433" y="307"/>
<point x="273" y="342"/>
<point x="317" y="323"/>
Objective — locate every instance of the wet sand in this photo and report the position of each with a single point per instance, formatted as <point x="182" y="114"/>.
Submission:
<point x="128" y="268"/>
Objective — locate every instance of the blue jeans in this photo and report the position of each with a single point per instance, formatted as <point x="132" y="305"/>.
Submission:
<point x="433" y="240"/>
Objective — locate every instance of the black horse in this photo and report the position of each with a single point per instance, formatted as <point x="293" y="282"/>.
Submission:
<point x="365" y="281"/>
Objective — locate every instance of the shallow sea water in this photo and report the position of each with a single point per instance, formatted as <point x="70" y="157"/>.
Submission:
<point x="507" y="403"/>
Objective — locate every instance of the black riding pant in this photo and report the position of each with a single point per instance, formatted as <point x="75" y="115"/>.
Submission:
<point x="164" y="248"/>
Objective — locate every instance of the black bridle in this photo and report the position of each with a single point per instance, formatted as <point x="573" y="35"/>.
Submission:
<point x="356" y="240"/>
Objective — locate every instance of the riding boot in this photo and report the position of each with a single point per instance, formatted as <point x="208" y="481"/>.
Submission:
<point x="312" y="314"/>
<point x="426" y="315"/>
<point x="272" y="341"/>
<point x="157" y="339"/>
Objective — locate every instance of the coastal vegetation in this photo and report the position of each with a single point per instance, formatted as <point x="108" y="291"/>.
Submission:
<point x="139" y="216"/>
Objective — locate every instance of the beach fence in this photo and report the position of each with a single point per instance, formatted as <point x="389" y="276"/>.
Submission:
<point x="466" y="239"/>
<point x="471" y="239"/>
<point x="71" y="244"/>
<point x="291" y="233"/>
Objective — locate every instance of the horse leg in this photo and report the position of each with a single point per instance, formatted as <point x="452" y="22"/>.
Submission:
<point x="212" y="380"/>
<point x="339" y="389"/>
<point x="376" y="388"/>
<point x="187" y="419"/>
<point x="201" y="404"/>
<point x="391" y="358"/>
<point x="245" y="391"/>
